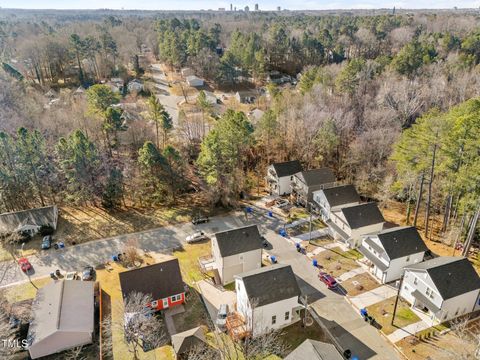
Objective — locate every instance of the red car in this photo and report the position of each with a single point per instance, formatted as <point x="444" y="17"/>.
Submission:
<point x="24" y="264"/>
<point x="328" y="280"/>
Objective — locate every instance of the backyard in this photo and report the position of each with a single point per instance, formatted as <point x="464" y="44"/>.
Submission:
<point x="382" y="312"/>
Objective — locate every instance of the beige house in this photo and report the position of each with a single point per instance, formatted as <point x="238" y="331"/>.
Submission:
<point x="63" y="317"/>
<point x="236" y="251"/>
<point x="29" y="221"/>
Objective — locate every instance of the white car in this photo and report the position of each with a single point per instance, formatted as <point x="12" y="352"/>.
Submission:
<point x="281" y="203"/>
<point x="198" y="236"/>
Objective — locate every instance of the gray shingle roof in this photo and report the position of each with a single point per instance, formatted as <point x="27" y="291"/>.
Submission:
<point x="159" y="280"/>
<point x="401" y="241"/>
<point x="358" y="216"/>
<point x="341" y="195"/>
<point x="186" y="341"/>
<point x="13" y="221"/>
<point x="240" y="240"/>
<point x="287" y="168"/>
<point x="317" y="176"/>
<point x="452" y="276"/>
<point x="314" y="350"/>
<point x="270" y="284"/>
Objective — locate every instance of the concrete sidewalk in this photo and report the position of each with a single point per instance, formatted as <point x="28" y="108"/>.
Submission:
<point x="351" y="273"/>
<point x="373" y="296"/>
<point x="408" y="330"/>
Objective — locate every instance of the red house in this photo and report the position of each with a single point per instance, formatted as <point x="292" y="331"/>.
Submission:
<point x="163" y="281"/>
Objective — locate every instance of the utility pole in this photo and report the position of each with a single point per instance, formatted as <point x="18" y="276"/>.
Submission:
<point x="396" y="299"/>
<point x="310" y="225"/>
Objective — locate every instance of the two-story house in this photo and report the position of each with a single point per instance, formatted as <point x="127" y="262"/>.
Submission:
<point x="236" y="251"/>
<point x="444" y="287"/>
<point x="349" y="223"/>
<point x="268" y="298"/>
<point x="389" y="251"/>
<point x="162" y="281"/>
<point x="280" y="175"/>
<point x="306" y="182"/>
<point x="334" y="198"/>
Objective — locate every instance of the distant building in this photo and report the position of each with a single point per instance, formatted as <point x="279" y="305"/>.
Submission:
<point x="247" y="9"/>
<point x="194" y="81"/>
<point x="221" y="9"/>
<point x="231" y="7"/>
<point x="279" y="8"/>
<point x="256" y="7"/>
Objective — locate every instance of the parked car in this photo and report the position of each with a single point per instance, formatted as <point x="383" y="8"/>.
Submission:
<point x="72" y="275"/>
<point x="198" y="236"/>
<point x="47" y="242"/>
<point x="88" y="273"/>
<point x="24" y="264"/>
<point x="328" y="280"/>
<point x="200" y="220"/>
<point x="281" y="203"/>
<point x="221" y="321"/>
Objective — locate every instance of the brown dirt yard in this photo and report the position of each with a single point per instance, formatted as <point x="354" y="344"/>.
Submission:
<point x="365" y="283"/>
<point x="336" y="262"/>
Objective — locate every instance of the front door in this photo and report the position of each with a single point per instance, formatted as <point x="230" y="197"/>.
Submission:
<point x="165" y="303"/>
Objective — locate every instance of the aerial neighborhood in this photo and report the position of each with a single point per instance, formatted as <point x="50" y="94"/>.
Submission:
<point x="239" y="184"/>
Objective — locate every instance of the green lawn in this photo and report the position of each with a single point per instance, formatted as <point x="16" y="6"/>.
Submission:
<point x="296" y="334"/>
<point x="382" y="312"/>
<point x="25" y="290"/>
<point x="188" y="259"/>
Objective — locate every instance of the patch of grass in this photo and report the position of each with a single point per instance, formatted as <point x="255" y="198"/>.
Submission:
<point x="194" y="314"/>
<point x="25" y="290"/>
<point x="382" y="312"/>
<point x="353" y="254"/>
<point x="188" y="259"/>
<point x="231" y="286"/>
<point x="305" y="227"/>
<point x="295" y="334"/>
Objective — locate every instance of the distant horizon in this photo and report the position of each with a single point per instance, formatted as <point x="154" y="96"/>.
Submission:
<point x="266" y="5"/>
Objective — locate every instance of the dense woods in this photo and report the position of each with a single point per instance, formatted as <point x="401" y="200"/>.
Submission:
<point x="388" y="101"/>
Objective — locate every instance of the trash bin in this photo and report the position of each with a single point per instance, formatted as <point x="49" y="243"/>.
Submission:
<point x="315" y="263"/>
<point x="283" y="232"/>
<point x="61" y="245"/>
<point x="273" y="259"/>
<point x="270" y="214"/>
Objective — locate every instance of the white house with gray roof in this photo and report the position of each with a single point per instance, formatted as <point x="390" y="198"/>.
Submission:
<point x="62" y="317"/>
<point x="349" y="223"/>
<point x="444" y="287"/>
<point x="268" y="298"/>
<point x="391" y="250"/>
<point x="280" y="176"/>
<point x="334" y="198"/>
<point x="305" y="182"/>
<point x="236" y="251"/>
<point x="29" y="221"/>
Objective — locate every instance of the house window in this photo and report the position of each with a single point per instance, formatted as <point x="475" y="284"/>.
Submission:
<point x="287" y="315"/>
<point x="274" y="319"/>
<point x="154" y="304"/>
<point x="456" y="312"/>
<point x="415" y="281"/>
<point x="407" y="259"/>
<point x="176" y="298"/>
<point x="369" y="248"/>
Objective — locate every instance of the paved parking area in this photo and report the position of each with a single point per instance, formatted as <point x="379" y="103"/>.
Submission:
<point x="373" y="296"/>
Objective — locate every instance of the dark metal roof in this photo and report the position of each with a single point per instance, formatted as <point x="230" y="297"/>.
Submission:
<point x="316" y="176"/>
<point x="358" y="216"/>
<point x="159" y="280"/>
<point x="270" y="284"/>
<point x="372" y="258"/>
<point x="452" y="276"/>
<point x="287" y="168"/>
<point x="240" y="240"/>
<point x="401" y="241"/>
<point x="341" y="195"/>
<point x="314" y="350"/>
<point x="425" y="301"/>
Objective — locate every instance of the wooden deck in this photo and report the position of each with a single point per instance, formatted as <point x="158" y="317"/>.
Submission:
<point x="236" y="326"/>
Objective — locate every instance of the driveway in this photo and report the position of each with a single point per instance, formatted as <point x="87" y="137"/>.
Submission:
<point x="374" y="296"/>
<point x="213" y="297"/>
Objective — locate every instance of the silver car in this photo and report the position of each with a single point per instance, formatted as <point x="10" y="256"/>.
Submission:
<point x="198" y="236"/>
<point x="221" y="321"/>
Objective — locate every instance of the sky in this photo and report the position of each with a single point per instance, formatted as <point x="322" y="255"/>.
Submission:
<point x="215" y="4"/>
